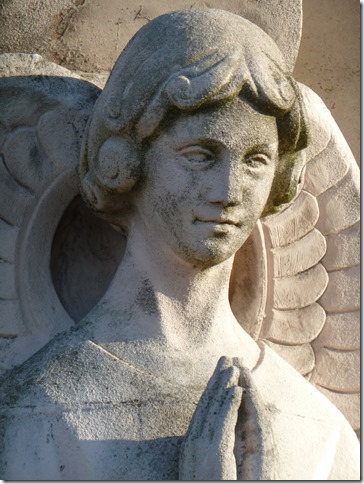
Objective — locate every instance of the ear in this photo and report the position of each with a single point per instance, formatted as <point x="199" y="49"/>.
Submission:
<point x="287" y="180"/>
<point x="117" y="165"/>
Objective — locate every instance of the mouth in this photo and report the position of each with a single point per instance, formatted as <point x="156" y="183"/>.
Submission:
<point x="216" y="221"/>
<point x="217" y="227"/>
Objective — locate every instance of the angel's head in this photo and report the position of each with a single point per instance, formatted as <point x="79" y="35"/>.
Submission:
<point x="198" y="87"/>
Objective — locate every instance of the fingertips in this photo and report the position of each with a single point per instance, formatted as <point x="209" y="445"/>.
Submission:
<point x="223" y="363"/>
<point x="245" y="380"/>
<point x="238" y="361"/>
<point x="230" y="377"/>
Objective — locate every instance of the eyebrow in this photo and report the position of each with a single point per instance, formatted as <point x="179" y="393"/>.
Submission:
<point x="266" y="147"/>
<point x="207" y="143"/>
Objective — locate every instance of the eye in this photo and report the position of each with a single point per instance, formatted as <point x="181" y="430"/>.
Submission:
<point x="256" y="160"/>
<point x="197" y="156"/>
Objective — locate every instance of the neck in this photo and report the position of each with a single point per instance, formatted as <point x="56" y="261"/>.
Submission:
<point x="157" y="298"/>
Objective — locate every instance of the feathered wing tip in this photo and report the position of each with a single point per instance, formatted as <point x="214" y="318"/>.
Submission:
<point x="333" y="178"/>
<point x="312" y="304"/>
<point x="42" y="121"/>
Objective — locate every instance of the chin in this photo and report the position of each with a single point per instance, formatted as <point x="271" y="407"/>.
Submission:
<point x="209" y="253"/>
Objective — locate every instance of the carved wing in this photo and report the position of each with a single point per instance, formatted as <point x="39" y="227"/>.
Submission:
<point x="42" y="120"/>
<point x="312" y="302"/>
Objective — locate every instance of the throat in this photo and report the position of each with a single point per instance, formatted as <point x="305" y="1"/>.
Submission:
<point x="181" y="307"/>
<point x="168" y="312"/>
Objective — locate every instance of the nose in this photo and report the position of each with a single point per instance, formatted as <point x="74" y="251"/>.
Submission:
<point x="225" y="186"/>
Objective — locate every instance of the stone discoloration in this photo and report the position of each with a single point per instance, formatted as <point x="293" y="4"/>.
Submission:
<point x="118" y="397"/>
<point x="146" y="298"/>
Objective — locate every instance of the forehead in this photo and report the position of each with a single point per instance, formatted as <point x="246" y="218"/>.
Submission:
<point x="233" y="124"/>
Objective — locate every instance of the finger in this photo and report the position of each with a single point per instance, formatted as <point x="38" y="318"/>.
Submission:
<point x="238" y="361"/>
<point x="215" y="381"/>
<point x="219" y="379"/>
<point x="228" y="379"/>
<point x="225" y="430"/>
<point x="223" y="376"/>
<point x="223" y="413"/>
<point x="216" y="444"/>
<point x="246" y="380"/>
<point x="215" y="408"/>
<point x="223" y="363"/>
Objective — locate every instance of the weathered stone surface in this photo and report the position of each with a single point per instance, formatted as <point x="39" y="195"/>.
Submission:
<point x="343" y="248"/>
<point x="298" y="326"/>
<point x="346" y="403"/>
<point x="21" y="64"/>
<point x="341" y="331"/>
<point x="193" y="138"/>
<point x="44" y="118"/>
<point x="64" y="31"/>
<point x="295" y="222"/>
<point x="335" y="370"/>
<point x="329" y="61"/>
<point x="343" y="290"/>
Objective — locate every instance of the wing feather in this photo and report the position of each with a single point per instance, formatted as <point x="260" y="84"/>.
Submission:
<point x="42" y="120"/>
<point x="21" y="144"/>
<point x="323" y="172"/>
<point x="343" y="291"/>
<point x="343" y="249"/>
<point x="7" y="281"/>
<point x="13" y="213"/>
<point x="297" y="326"/>
<point x="297" y="280"/>
<point x="341" y="331"/>
<point x="347" y="403"/>
<point x="295" y="222"/>
<point x="11" y="324"/>
<point x="312" y="312"/>
<point x="295" y="258"/>
<point x="335" y="369"/>
<point x="301" y="357"/>
<point x="339" y="205"/>
<point x="300" y="290"/>
<point x="63" y="124"/>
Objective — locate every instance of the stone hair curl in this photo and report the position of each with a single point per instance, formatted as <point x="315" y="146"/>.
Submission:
<point x="185" y="60"/>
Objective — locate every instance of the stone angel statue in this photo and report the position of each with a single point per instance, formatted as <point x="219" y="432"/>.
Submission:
<point x="224" y="207"/>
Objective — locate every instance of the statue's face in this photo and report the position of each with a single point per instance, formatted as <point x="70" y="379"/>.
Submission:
<point x="208" y="177"/>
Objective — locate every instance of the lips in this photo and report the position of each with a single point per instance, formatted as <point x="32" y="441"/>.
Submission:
<point x="216" y="221"/>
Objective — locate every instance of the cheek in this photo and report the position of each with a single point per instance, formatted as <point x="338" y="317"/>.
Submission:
<point x="165" y="201"/>
<point x="171" y="186"/>
<point x="257" y="187"/>
<point x="254" y="199"/>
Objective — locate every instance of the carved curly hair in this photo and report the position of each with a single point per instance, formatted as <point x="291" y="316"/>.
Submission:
<point x="183" y="61"/>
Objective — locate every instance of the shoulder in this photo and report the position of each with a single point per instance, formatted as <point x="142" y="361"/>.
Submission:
<point x="73" y="369"/>
<point x="25" y="385"/>
<point x="64" y="367"/>
<point x="312" y="438"/>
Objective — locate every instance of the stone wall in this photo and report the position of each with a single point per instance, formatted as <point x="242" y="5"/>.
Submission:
<point x="329" y="61"/>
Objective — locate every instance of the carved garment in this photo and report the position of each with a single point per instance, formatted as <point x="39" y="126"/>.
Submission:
<point x="73" y="411"/>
